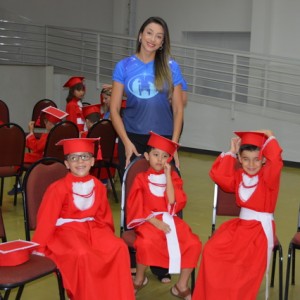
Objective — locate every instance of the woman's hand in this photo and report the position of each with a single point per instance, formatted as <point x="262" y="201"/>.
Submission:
<point x="176" y="160"/>
<point x="129" y="150"/>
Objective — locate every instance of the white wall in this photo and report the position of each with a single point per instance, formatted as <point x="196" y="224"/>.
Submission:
<point x="211" y="128"/>
<point x="198" y="15"/>
<point x="96" y="15"/>
<point x="22" y="87"/>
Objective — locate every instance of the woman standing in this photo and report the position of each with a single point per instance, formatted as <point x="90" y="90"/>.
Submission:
<point x="150" y="78"/>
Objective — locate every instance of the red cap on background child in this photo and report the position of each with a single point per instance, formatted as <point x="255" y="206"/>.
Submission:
<point x="89" y="109"/>
<point x="52" y="114"/>
<point x="252" y="138"/>
<point x="162" y="143"/>
<point x="80" y="145"/>
<point x="14" y="253"/>
<point x="73" y="81"/>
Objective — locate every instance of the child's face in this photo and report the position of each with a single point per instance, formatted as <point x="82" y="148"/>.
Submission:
<point x="79" y="93"/>
<point x="80" y="163"/>
<point x="157" y="158"/>
<point x="251" y="162"/>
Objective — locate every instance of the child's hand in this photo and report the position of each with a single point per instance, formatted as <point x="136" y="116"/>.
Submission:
<point x="31" y="126"/>
<point x="160" y="225"/>
<point x="235" y="145"/>
<point x="167" y="169"/>
<point x="267" y="132"/>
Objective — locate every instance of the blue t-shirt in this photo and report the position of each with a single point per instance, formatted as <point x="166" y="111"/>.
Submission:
<point x="146" y="108"/>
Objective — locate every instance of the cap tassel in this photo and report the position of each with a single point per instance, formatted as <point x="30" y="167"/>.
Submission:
<point x="99" y="152"/>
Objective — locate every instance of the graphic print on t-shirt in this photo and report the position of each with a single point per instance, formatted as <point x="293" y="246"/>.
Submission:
<point x="142" y="86"/>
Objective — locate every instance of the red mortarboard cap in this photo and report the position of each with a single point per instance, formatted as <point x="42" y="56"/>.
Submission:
<point x="73" y="81"/>
<point x="252" y="138"/>
<point x="89" y="109"/>
<point x="162" y="143"/>
<point x="53" y="114"/>
<point x="14" y="253"/>
<point x="80" y="145"/>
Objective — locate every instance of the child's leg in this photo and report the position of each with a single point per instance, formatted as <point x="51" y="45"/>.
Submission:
<point x="140" y="274"/>
<point x="181" y="289"/>
<point x="140" y="280"/>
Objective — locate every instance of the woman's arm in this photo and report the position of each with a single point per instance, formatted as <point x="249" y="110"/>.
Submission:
<point x="115" y="107"/>
<point x="177" y="107"/>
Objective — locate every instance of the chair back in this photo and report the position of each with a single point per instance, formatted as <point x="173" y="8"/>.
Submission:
<point x="40" y="105"/>
<point x="36" y="180"/>
<point x="12" y="141"/>
<point x="4" y="112"/>
<point x="105" y="130"/>
<point x="2" y="229"/>
<point x="224" y="205"/>
<point x="61" y="130"/>
<point x="138" y="165"/>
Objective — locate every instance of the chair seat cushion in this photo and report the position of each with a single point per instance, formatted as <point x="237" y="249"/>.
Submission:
<point x="37" y="266"/>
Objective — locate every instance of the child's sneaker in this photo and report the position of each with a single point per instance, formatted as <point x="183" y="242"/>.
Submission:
<point x="12" y="191"/>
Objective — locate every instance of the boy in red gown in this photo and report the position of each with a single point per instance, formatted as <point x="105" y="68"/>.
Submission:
<point x="50" y="116"/>
<point x="237" y="256"/>
<point x="75" y="228"/>
<point x="163" y="238"/>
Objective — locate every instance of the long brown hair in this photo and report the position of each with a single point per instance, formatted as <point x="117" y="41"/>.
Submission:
<point x="162" y="72"/>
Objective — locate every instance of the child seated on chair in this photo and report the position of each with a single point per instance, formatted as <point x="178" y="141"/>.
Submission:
<point x="75" y="228"/>
<point x="237" y="256"/>
<point x="50" y="116"/>
<point x="91" y="115"/>
<point x="163" y="239"/>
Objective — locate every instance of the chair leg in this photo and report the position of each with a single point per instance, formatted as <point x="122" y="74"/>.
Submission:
<point x="6" y="295"/>
<point x="17" y="183"/>
<point x="20" y="292"/>
<point x="273" y="266"/>
<point x="60" y="285"/>
<point x="293" y="265"/>
<point x="280" y="258"/>
<point x="112" y="184"/>
<point x="1" y="193"/>
<point x="288" y="266"/>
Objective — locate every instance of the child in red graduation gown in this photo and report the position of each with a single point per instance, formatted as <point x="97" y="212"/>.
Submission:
<point x="74" y="101"/>
<point x="163" y="238"/>
<point x="237" y="256"/>
<point x="50" y="116"/>
<point x="75" y="228"/>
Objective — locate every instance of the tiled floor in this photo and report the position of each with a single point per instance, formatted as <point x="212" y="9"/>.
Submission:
<point x="199" y="188"/>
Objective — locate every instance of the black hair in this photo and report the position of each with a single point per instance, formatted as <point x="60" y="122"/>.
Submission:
<point x="93" y="117"/>
<point x="248" y="147"/>
<point x="79" y="87"/>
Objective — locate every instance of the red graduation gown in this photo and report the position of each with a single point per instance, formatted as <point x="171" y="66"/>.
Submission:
<point x="75" y="113"/>
<point x="234" y="260"/>
<point x="94" y="262"/>
<point x="36" y="146"/>
<point x="151" y="244"/>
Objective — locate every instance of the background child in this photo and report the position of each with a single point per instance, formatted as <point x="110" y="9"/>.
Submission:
<point x="237" y="256"/>
<point x="75" y="228"/>
<point x="91" y="114"/>
<point x="50" y="116"/>
<point x="154" y="200"/>
<point x="74" y="101"/>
